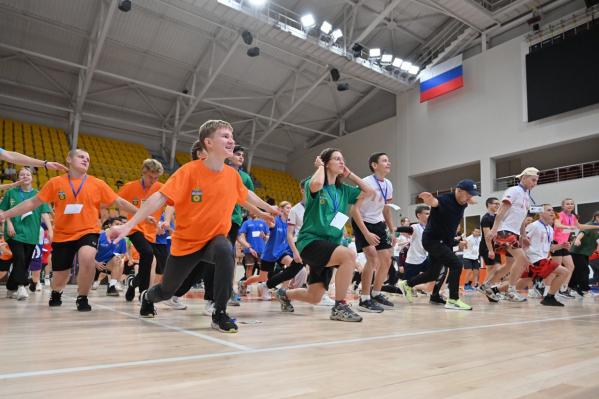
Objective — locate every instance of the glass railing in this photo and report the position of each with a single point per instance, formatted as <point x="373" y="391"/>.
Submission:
<point x="554" y="175"/>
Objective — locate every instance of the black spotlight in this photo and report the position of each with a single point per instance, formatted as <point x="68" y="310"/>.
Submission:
<point x="357" y="50"/>
<point x="343" y="86"/>
<point x="247" y="37"/>
<point x="125" y="5"/>
<point x="253" y="52"/>
<point x="185" y="91"/>
<point x="335" y="74"/>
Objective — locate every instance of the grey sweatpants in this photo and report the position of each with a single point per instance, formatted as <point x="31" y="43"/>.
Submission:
<point x="217" y="252"/>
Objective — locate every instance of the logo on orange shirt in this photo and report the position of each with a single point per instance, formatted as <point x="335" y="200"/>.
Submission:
<point x="196" y="195"/>
<point x="62" y="195"/>
<point x="135" y="201"/>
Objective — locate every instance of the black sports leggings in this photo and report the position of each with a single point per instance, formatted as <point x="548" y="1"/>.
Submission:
<point x="218" y="253"/>
<point x="284" y="275"/>
<point x="440" y="255"/>
<point x="146" y="256"/>
<point x="21" y="257"/>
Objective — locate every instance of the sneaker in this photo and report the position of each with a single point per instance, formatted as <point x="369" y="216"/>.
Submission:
<point x="112" y="291"/>
<point x="241" y="289"/>
<point x="47" y="281"/>
<point x="21" y="293"/>
<point x="208" y="308"/>
<point x="147" y="308"/>
<point x="235" y="300"/>
<point x="383" y="302"/>
<point x="12" y="294"/>
<point x="561" y="296"/>
<point x="119" y="286"/>
<point x="130" y="293"/>
<point x="437" y="300"/>
<point x="343" y="312"/>
<point x="38" y="287"/>
<point x="95" y="285"/>
<point x="286" y="306"/>
<point x="534" y="293"/>
<point x="326" y="300"/>
<point x="468" y="287"/>
<point x="369" y="306"/>
<point x="33" y="286"/>
<point x="489" y="293"/>
<point x="55" y="299"/>
<point x="266" y="295"/>
<point x="551" y="301"/>
<point x="457" y="304"/>
<point x="175" y="304"/>
<point x="565" y="294"/>
<point x="82" y="304"/>
<point x="407" y="290"/>
<point x="223" y="323"/>
<point x="514" y="296"/>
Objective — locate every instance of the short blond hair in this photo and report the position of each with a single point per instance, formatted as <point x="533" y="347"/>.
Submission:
<point x="209" y="127"/>
<point x="283" y="204"/>
<point x="152" y="165"/>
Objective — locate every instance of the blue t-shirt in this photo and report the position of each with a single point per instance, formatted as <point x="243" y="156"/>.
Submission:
<point x="253" y="230"/>
<point x="277" y="244"/>
<point x="444" y="220"/>
<point x="164" y="239"/>
<point x="107" y="250"/>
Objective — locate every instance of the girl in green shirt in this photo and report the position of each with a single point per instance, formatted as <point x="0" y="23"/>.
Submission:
<point x="319" y="240"/>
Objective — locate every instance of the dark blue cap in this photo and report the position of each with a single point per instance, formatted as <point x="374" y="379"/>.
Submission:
<point x="469" y="186"/>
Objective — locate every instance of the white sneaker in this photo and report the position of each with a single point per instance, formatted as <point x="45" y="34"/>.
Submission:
<point x="208" y="308"/>
<point x="326" y="301"/>
<point x="533" y="293"/>
<point x="175" y="304"/>
<point x="266" y="295"/>
<point x="514" y="296"/>
<point x="12" y="294"/>
<point x="22" y="293"/>
<point x="118" y="286"/>
<point x="47" y="282"/>
<point x="95" y="285"/>
<point x="38" y="287"/>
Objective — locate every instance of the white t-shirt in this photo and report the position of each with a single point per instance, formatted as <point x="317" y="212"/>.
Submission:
<point x="416" y="253"/>
<point x="520" y="201"/>
<point x="540" y="236"/>
<point x="372" y="209"/>
<point x="296" y="218"/>
<point x="402" y="241"/>
<point x="471" y="252"/>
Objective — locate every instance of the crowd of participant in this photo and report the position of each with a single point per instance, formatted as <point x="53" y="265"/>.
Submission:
<point x="156" y="241"/>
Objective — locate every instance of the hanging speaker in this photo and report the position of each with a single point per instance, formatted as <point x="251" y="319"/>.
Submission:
<point x="253" y="52"/>
<point x="335" y="74"/>
<point x="247" y="37"/>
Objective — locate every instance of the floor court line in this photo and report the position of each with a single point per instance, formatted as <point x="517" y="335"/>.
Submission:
<point x="11" y="376"/>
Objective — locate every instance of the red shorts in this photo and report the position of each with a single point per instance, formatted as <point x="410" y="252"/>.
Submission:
<point x="505" y="240"/>
<point x="542" y="269"/>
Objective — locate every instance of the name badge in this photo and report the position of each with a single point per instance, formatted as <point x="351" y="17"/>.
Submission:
<point x="535" y="209"/>
<point x="73" y="209"/>
<point x="23" y="216"/>
<point x="255" y="234"/>
<point x="339" y="220"/>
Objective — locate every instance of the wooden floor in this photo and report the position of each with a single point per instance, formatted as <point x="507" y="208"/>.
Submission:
<point x="497" y="351"/>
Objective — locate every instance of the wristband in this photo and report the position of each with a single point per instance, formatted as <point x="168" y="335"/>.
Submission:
<point x="46" y="165"/>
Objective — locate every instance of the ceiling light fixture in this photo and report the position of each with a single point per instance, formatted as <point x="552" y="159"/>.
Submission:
<point x="308" y="21"/>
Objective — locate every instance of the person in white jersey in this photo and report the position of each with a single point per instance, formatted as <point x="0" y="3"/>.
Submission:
<point x="472" y="260"/>
<point x="540" y="235"/>
<point x="370" y="220"/>
<point x="508" y="232"/>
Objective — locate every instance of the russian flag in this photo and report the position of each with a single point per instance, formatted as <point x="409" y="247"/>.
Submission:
<point x="441" y="79"/>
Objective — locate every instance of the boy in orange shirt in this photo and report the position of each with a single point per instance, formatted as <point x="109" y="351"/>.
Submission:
<point x="203" y="194"/>
<point x="144" y="234"/>
<point x="77" y="198"/>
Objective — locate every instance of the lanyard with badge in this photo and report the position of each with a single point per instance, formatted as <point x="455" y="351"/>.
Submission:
<point x="22" y="195"/>
<point x="73" y="209"/>
<point x="383" y="193"/>
<point x="534" y="208"/>
<point x="549" y="238"/>
<point x="340" y="218"/>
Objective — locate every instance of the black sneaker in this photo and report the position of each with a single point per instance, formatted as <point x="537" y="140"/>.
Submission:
<point x="286" y="306"/>
<point x="370" y="306"/>
<point x="551" y="301"/>
<point x="32" y="286"/>
<point x="343" y="312"/>
<point x="82" y="304"/>
<point x="437" y="300"/>
<point x="567" y="293"/>
<point x="223" y="323"/>
<point x="55" y="299"/>
<point x="111" y="291"/>
<point x="383" y="302"/>
<point x="147" y="308"/>
<point x="130" y="293"/>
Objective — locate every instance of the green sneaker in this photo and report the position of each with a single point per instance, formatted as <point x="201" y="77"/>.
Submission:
<point x="407" y="290"/>
<point x="457" y="304"/>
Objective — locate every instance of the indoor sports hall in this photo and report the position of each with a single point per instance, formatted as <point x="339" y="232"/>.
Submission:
<point x="299" y="198"/>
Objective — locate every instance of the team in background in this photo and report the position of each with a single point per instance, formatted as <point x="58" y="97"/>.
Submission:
<point x="188" y="231"/>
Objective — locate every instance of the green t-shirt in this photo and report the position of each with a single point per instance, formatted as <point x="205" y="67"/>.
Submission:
<point x="28" y="228"/>
<point x="321" y="208"/>
<point x="587" y="244"/>
<point x="237" y="217"/>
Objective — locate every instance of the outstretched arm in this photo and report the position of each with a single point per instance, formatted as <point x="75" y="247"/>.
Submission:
<point x="20" y="159"/>
<point x="151" y="205"/>
<point x="21" y="209"/>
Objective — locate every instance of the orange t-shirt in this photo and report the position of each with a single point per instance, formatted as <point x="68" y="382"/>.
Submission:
<point x="92" y="194"/>
<point x="204" y="202"/>
<point x="135" y="193"/>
